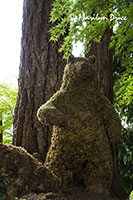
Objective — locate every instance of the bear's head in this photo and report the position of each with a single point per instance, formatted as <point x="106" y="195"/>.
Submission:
<point x="80" y="71"/>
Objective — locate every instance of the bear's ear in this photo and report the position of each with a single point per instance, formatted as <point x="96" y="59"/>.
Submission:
<point x="92" y="59"/>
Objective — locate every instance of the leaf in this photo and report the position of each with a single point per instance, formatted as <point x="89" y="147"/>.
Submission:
<point x="8" y="96"/>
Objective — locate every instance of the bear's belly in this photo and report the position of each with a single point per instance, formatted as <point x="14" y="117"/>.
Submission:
<point x="69" y="151"/>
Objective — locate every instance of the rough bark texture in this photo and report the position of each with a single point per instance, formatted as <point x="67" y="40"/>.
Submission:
<point x="86" y="127"/>
<point x="40" y="75"/>
<point x="104" y="63"/>
<point x="1" y="133"/>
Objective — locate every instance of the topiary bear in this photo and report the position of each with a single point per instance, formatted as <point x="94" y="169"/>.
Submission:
<point x="85" y="127"/>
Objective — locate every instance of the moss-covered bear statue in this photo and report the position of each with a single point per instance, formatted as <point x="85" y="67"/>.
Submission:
<point x="85" y="126"/>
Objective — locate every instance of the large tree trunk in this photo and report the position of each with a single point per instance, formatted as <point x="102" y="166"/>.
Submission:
<point x="1" y="133"/>
<point x="40" y="75"/>
<point x="104" y="63"/>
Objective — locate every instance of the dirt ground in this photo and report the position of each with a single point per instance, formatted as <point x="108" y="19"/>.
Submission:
<point x="75" y="194"/>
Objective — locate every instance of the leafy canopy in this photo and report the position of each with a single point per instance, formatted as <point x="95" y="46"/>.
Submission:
<point x="8" y="97"/>
<point x="85" y="21"/>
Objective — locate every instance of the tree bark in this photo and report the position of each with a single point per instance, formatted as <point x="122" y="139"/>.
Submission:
<point x="40" y="75"/>
<point x="1" y="133"/>
<point x="104" y="63"/>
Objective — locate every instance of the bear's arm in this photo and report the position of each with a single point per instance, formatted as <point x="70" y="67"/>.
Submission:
<point x="50" y="115"/>
<point x="112" y="122"/>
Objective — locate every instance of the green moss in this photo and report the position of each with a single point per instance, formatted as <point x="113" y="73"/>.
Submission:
<point x="85" y="123"/>
<point x="23" y="173"/>
<point x="3" y="188"/>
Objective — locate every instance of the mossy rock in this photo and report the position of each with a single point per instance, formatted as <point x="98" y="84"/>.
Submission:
<point x="21" y="173"/>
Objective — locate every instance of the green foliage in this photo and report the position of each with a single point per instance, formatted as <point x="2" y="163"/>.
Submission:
<point x="125" y="158"/>
<point x="8" y="97"/>
<point x="85" y="21"/>
<point x="123" y="90"/>
<point x="123" y="94"/>
<point x="131" y="196"/>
